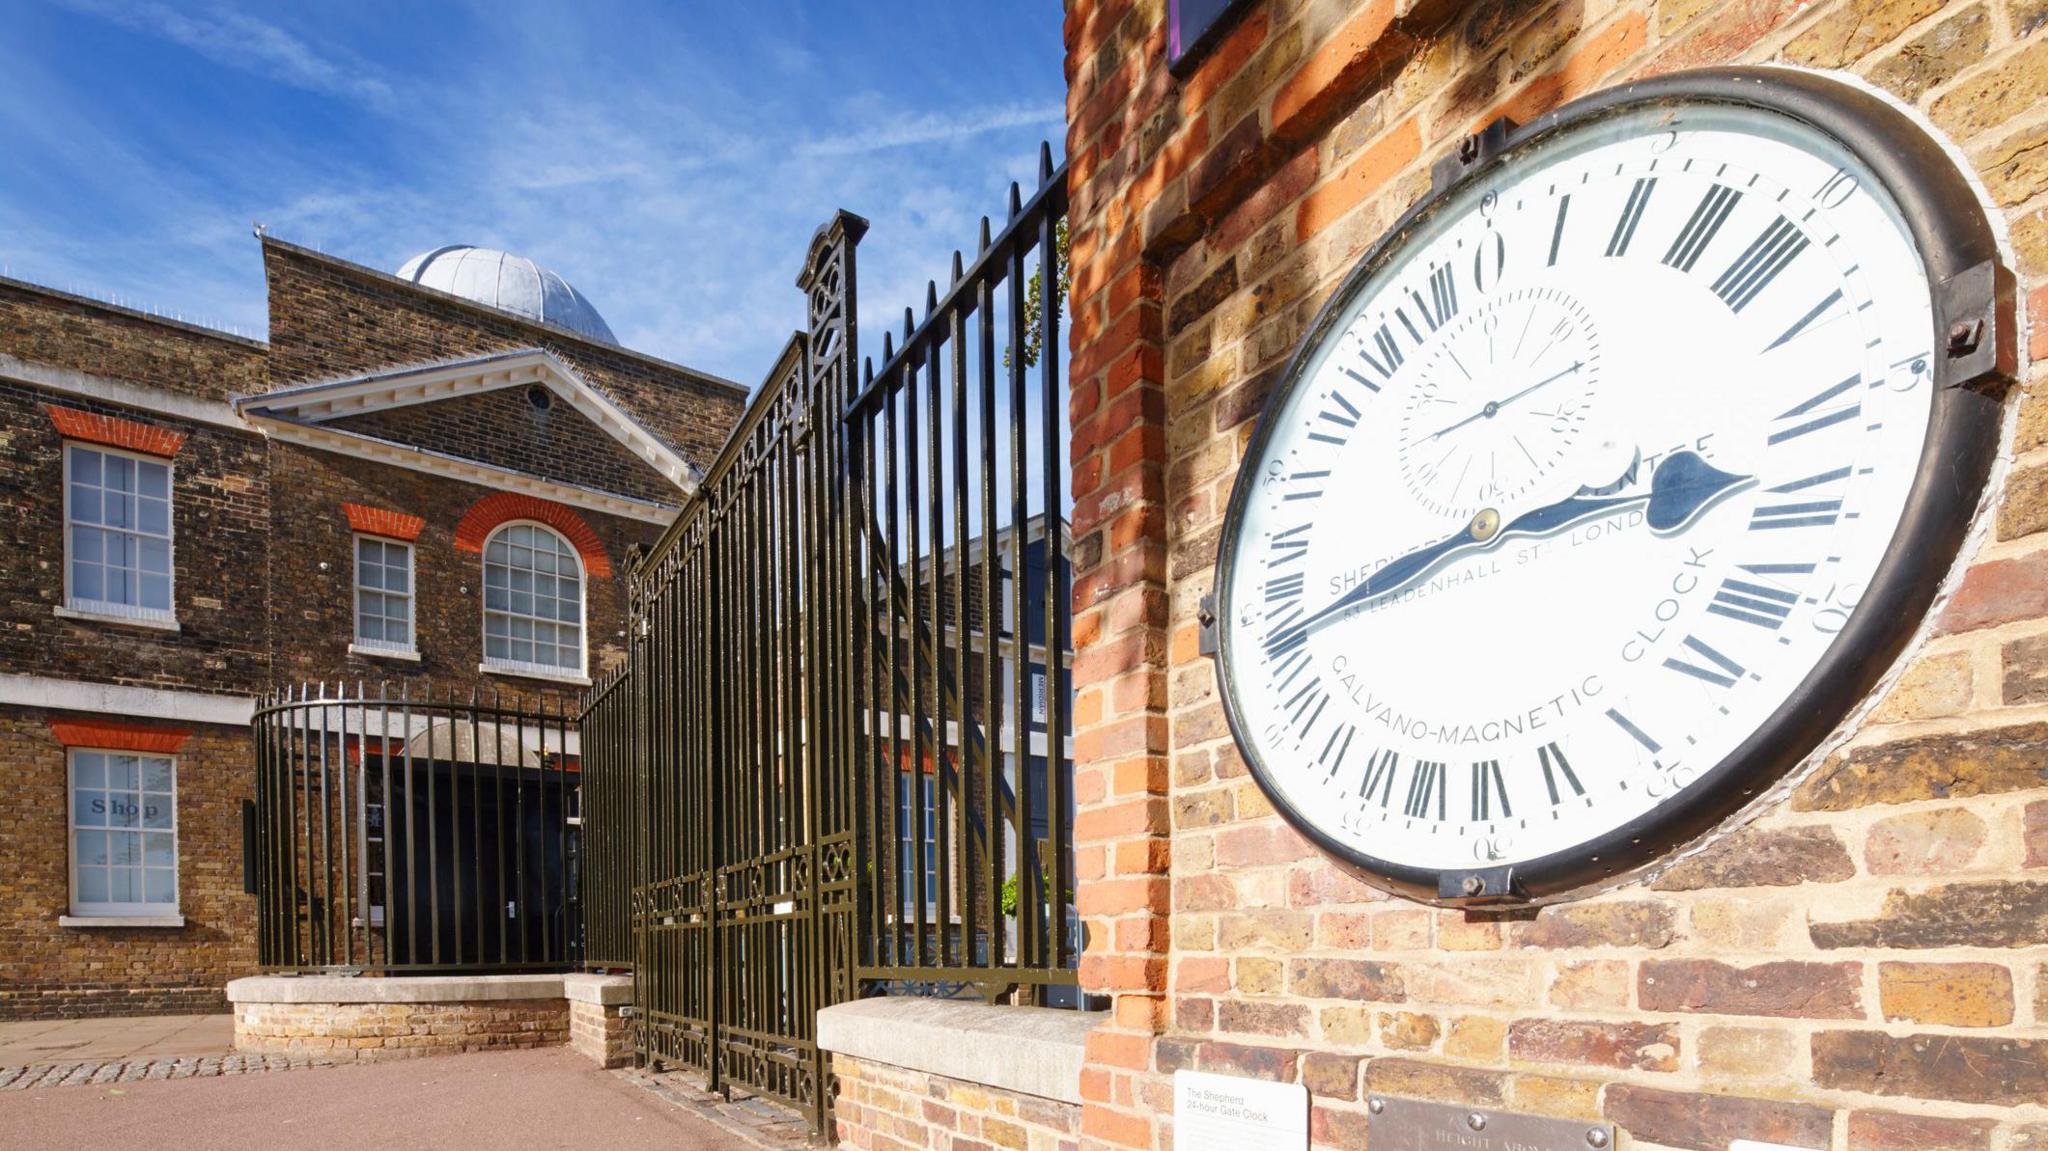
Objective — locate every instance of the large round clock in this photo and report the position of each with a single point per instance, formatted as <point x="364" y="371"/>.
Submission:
<point x="1610" y="481"/>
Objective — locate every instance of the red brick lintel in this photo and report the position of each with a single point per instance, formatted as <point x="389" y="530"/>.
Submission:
<point x="379" y="522"/>
<point x="113" y="432"/>
<point x="493" y="511"/>
<point x="118" y="735"/>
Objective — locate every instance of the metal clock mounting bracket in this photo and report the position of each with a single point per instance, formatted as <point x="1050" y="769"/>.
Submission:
<point x="1480" y="887"/>
<point x="1982" y="340"/>
<point x="1473" y="151"/>
<point x="1205" y="641"/>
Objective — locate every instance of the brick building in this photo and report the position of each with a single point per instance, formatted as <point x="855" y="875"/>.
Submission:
<point x="428" y="477"/>
<point x="1857" y="962"/>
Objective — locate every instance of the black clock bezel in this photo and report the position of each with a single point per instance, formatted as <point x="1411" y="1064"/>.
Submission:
<point x="1973" y="337"/>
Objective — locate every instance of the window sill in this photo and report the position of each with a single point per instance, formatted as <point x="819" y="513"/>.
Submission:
<point x="120" y="921"/>
<point x="519" y="672"/>
<point x="412" y="656"/>
<point x="110" y="617"/>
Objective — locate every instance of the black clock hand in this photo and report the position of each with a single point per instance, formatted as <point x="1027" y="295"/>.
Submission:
<point x="1494" y="406"/>
<point x="1683" y="487"/>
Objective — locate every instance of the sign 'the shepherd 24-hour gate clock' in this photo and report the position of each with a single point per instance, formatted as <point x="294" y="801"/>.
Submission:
<point x="1610" y="481"/>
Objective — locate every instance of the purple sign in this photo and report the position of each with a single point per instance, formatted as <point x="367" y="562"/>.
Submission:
<point x="1193" y="26"/>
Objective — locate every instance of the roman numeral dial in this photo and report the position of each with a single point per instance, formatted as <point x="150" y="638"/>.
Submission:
<point x="1563" y="503"/>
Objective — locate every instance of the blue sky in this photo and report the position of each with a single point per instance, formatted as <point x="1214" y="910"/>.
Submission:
<point x="670" y="160"/>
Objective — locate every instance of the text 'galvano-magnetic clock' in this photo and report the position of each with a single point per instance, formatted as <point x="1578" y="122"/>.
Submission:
<point x="1610" y="481"/>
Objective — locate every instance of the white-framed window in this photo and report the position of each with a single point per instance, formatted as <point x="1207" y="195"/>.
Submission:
<point x="533" y="602"/>
<point x="124" y="834"/>
<point x="384" y="596"/>
<point x="906" y="842"/>
<point x="117" y="534"/>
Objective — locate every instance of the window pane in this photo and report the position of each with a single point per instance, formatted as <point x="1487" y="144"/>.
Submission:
<point x="154" y="480"/>
<point x="117" y="511"/>
<point x="89" y="769"/>
<point x="397" y="573"/>
<point x="85" y="504"/>
<point x="156" y="811"/>
<point x="156" y="592"/>
<point x="92" y="885"/>
<point x="89" y="848"/>
<point x="154" y="516"/>
<point x="122" y="887"/>
<point x="161" y="886"/>
<point x="85" y="465"/>
<point x="89" y="808"/>
<point x="119" y="586"/>
<point x="496" y="647"/>
<point x="122" y="809"/>
<point x="397" y="631"/>
<point x="88" y="582"/>
<point x="124" y="848"/>
<point x="156" y="774"/>
<point x="155" y="555"/>
<point x="117" y="473"/>
<point x="121" y="771"/>
<point x="159" y="849"/>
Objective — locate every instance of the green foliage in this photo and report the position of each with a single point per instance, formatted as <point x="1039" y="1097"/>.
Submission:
<point x="1034" y="301"/>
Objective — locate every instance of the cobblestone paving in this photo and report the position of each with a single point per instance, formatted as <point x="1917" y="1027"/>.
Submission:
<point x="766" y="1125"/>
<point x="97" y="1072"/>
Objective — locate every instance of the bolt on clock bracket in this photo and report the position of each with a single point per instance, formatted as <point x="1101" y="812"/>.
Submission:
<point x="1480" y="887"/>
<point x="1982" y="333"/>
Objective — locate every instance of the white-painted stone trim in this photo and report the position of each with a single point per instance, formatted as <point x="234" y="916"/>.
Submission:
<point x="454" y="467"/>
<point x="154" y="622"/>
<point x="411" y="654"/>
<point x="120" y="921"/>
<point x="397" y="989"/>
<point x="121" y="699"/>
<point x="155" y="401"/>
<point x="401" y="387"/>
<point x="1029" y="1050"/>
<point x="524" y="671"/>
<point x="603" y="990"/>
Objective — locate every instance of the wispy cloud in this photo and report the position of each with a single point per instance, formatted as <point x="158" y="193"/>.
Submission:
<point x="934" y="127"/>
<point x="241" y="41"/>
<point x="672" y="168"/>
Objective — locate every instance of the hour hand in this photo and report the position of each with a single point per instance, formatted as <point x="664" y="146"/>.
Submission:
<point x="1684" y="486"/>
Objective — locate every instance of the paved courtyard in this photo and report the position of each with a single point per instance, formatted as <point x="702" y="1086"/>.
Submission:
<point x="115" y="1040"/>
<point x="550" y="1098"/>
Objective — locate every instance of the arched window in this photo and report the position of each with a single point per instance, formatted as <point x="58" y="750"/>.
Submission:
<point x="533" y="602"/>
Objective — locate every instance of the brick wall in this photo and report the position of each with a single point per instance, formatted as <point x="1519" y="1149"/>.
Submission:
<point x="1861" y="967"/>
<point x="315" y="608"/>
<point x="330" y="319"/>
<point x="370" y="1032"/>
<point x="51" y="970"/>
<point x="220" y="510"/>
<point x="880" y="1107"/>
<point x="602" y="1034"/>
<point x="508" y="429"/>
<point x="42" y="326"/>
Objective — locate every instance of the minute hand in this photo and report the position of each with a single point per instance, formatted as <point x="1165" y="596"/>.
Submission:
<point x="1682" y="488"/>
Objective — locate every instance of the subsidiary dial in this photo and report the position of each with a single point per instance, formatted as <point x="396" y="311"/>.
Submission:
<point x="1500" y="403"/>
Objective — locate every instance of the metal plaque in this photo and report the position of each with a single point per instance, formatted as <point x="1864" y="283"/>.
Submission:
<point x="1394" y="1124"/>
<point x="1231" y="1113"/>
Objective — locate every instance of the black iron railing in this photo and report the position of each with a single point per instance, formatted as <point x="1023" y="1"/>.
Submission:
<point x="838" y="761"/>
<point x="961" y="677"/>
<point x="401" y="829"/>
<point x="607" y="819"/>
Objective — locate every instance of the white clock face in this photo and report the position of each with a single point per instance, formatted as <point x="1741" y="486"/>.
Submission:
<point x="1579" y="488"/>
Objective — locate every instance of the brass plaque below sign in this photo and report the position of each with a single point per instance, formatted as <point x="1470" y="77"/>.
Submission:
<point x="1394" y="1124"/>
